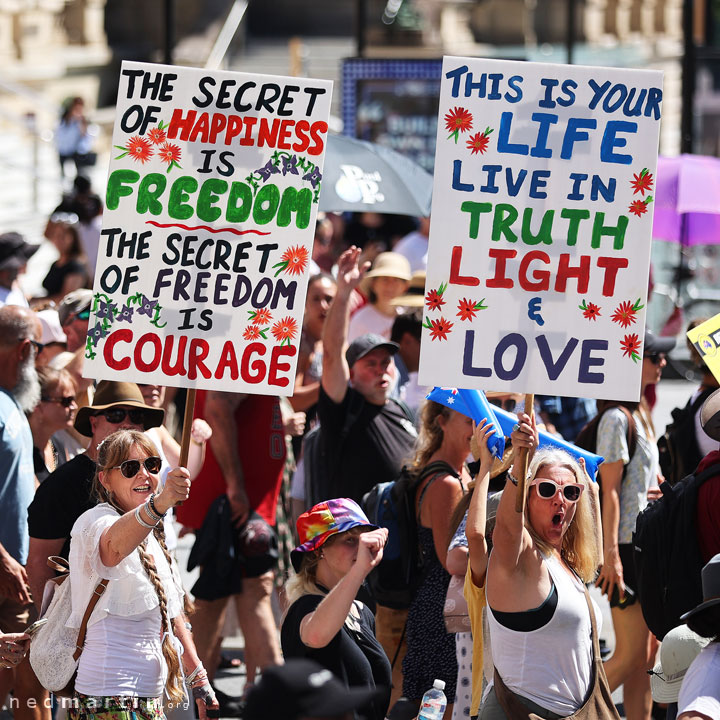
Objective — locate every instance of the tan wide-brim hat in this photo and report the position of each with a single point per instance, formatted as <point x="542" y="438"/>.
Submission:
<point x="387" y="264"/>
<point x="415" y="295"/>
<point x="111" y="394"/>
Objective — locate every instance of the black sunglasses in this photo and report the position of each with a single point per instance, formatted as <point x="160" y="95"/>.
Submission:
<point x="66" y="401"/>
<point x="130" y="468"/>
<point x="118" y="415"/>
<point x="38" y="346"/>
<point x="655" y="358"/>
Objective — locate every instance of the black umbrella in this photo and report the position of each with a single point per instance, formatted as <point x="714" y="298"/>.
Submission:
<point x="363" y="176"/>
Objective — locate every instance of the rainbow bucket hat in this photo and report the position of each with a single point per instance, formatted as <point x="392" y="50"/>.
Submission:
<point x="325" y="519"/>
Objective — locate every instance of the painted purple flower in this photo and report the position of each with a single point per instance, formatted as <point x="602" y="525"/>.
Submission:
<point x="97" y="333"/>
<point x="289" y="165"/>
<point x="313" y="177"/>
<point x="267" y="170"/>
<point x="106" y="310"/>
<point x="147" y="307"/>
<point x="126" y="314"/>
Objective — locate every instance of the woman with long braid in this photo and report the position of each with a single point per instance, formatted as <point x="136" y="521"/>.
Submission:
<point x="138" y="647"/>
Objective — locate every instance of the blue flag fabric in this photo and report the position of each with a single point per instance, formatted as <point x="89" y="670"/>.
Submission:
<point x="474" y="404"/>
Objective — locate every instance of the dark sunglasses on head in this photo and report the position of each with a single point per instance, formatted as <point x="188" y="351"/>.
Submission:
<point x="130" y="468"/>
<point x="118" y="415"/>
<point x="547" y="489"/>
<point x="66" y="401"/>
<point x="655" y="358"/>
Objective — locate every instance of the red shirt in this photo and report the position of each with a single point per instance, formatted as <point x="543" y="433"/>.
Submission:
<point x="261" y="447"/>
<point x="708" y="510"/>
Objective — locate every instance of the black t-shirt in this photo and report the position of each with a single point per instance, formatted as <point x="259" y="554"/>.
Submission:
<point x="61" y="499"/>
<point x="355" y="657"/>
<point x="379" y="443"/>
<point x="56" y="275"/>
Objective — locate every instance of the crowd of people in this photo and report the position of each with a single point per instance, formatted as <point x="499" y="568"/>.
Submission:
<point x="273" y="491"/>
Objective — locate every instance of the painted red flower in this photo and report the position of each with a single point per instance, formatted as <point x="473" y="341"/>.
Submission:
<point x="478" y="143"/>
<point x="260" y="317"/>
<point x="630" y="346"/>
<point x="285" y="330"/>
<point x="591" y="311"/>
<point x="434" y="298"/>
<point x="458" y="120"/>
<point x="626" y="313"/>
<point x="138" y="148"/>
<point x="439" y="329"/>
<point x="294" y="261"/>
<point x="157" y="135"/>
<point x="468" y="309"/>
<point x="640" y="207"/>
<point x="252" y="332"/>
<point x="642" y="181"/>
<point x="170" y="154"/>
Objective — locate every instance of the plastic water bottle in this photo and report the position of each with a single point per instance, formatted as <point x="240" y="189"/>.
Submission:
<point x="434" y="702"/>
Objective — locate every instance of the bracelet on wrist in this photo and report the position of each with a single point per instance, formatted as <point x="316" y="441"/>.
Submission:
<point x="154" y="519"/>
<point x="512" y="478"/>
<point x="155" y="511"/>
<point x="138" y="517"/>
<point x="190" y="677"/>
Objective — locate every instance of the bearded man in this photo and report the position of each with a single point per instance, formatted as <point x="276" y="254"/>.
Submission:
<point x="20" y="332"/>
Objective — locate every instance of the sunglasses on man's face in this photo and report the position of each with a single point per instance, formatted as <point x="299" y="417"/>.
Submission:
<point x="547" y="489"/>
<point x="66" y="401"/>
<point x="130" y="468"/>
<point x="37" y="345"/>
<point x="117" y="415"/>
<point x="82" y="315"/>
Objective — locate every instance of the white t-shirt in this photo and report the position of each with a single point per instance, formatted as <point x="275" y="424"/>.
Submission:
<point x="700" y="691"/>
<point x="414" y="246"/>
<point x="123" y="647"/>
<point x="13" y="296"/>
<point x="368" y="319"/>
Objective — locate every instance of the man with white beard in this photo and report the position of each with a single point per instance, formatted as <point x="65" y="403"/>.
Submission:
<point x="20" y="331"/>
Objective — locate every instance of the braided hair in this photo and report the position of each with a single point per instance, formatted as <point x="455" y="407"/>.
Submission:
<point x="111" y="452"/>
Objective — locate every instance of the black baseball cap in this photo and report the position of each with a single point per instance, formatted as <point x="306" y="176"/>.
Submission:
<point x="364" y="344"/>
<point x="14" y="251"/>
<point x="654" y="344"/>
<point x="302" y="687"/>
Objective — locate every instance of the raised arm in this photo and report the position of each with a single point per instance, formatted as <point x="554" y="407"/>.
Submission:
<point x="220" y="410"/>
<point x="477" y="512"/>
<point x="126" y="533"/>
<point x="510" y="538"/>
<point x="335" y="374"/>
<point x="319" y="627"/>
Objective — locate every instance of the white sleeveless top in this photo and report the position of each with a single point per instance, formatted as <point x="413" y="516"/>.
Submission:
<point x="551" y="666"/>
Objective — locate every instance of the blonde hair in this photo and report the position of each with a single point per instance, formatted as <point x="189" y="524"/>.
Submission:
<point x="111" y="452"/>
<point x="580" y="546"/>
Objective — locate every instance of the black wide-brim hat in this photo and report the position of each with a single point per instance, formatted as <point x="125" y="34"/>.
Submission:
<point x="111" y="394"/>
<point x="710" y="586"/>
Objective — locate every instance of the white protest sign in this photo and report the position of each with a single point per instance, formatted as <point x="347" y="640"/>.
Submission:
<point x="208" y="229"/>
<point x="541" y="227"/>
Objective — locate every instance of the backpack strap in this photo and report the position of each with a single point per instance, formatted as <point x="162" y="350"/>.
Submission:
<point x="97" y="594"/>
<point x="436" y="469"/>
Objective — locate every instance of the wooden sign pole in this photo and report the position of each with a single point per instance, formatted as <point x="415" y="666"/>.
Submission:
<point x="522" y="460"/>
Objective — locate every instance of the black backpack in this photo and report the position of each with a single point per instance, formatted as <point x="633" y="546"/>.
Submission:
<point x="678" y="449"/>
<point x="668" y="563"/>
<point x="587" y="437"/>
<point x="394" y="582"/>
